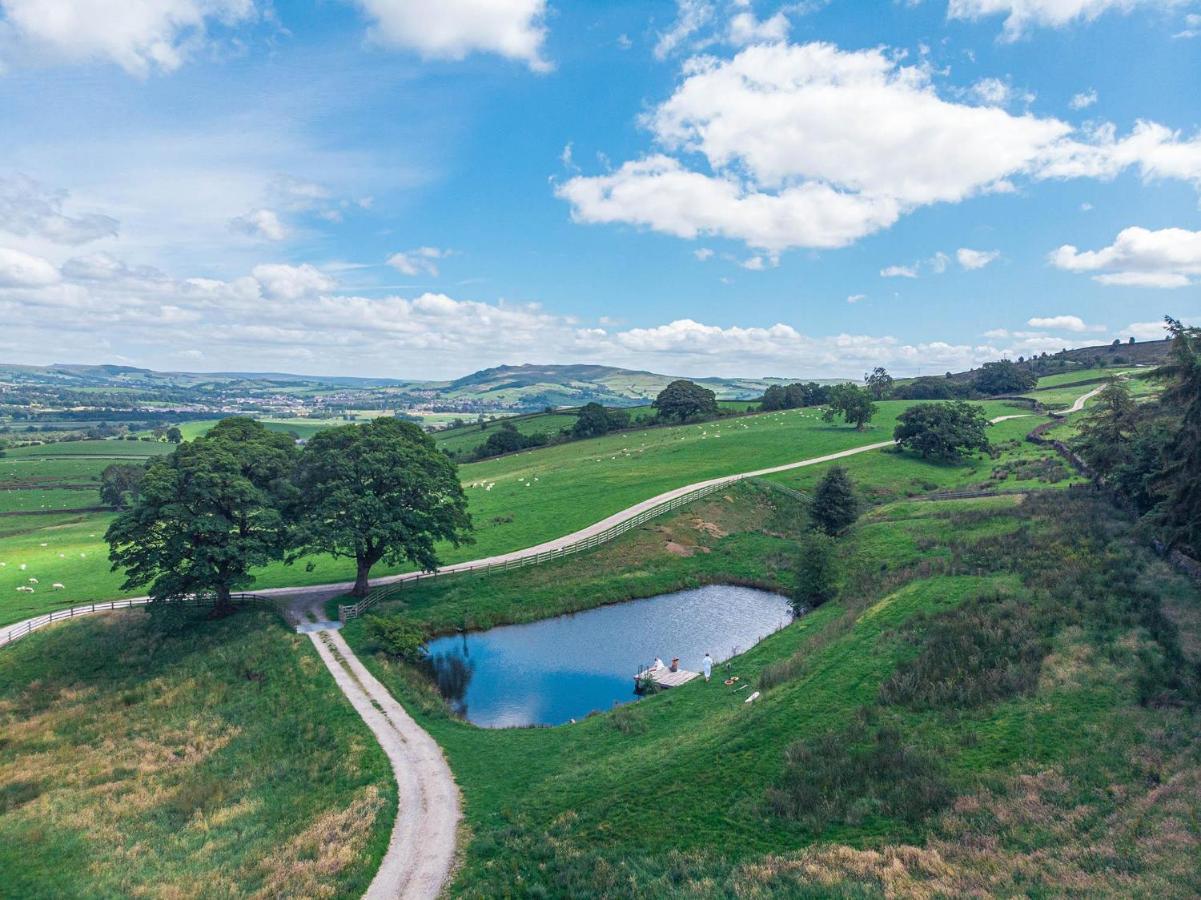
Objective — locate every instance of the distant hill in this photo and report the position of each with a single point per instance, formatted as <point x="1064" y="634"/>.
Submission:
<point x="503" y="388"/>
<point x="534" y="386"/>
<point x="1142" y="353"/>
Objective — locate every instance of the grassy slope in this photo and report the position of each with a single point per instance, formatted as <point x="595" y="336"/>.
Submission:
<point x="536" y="495"/>
<point x="221" y="761"/>
<point x="668" y="797"/>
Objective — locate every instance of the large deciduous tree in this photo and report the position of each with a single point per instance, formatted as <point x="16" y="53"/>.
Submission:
<point x="1003" y="377"/>
<point x="879" y="383"/>
<point x="853" y="403"/>
<point x="121" y="483"/>
<point x="379" y="491"/>
<point x="685" y="401"/>
<point x="943" y="431"/>
<point x="207" y="514"/>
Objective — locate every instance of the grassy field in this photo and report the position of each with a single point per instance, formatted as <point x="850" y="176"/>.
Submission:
<point x="1058" y="756"/>
<point x="516" y="501"/>
<point x="217" y="761"/>
<point x="1084" y="376"/>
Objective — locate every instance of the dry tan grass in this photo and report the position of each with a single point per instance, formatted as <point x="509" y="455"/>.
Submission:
<point x="305" y="865"/>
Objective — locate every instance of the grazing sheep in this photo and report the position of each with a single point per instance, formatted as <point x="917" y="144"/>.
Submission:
<point x="33" y="581"/>
<point x="25" y="589"/>
<point x="57" y="586"/>
<point x="22" y="567"/>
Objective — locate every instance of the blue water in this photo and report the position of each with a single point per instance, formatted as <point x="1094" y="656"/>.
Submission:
<point x="549" y="672"/>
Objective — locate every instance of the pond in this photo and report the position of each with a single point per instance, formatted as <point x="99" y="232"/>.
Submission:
<point x="555" y="670"/>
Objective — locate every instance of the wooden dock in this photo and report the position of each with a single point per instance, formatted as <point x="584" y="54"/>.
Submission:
<point x="664" y="677"/>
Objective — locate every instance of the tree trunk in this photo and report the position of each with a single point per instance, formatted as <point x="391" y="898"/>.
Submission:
<point x="361" y="585"/>
<point x="225" y="604"/>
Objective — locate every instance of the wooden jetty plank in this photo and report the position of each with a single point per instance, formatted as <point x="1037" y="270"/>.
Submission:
<point x="664" y="677"/>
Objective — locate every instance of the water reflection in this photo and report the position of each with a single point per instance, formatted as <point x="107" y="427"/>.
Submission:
<point x="558" y="669"/>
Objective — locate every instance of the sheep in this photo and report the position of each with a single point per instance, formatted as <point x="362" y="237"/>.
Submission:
<point x="33" y="581"/>
<point x="25" y="589"/>
<point x="57" y="586"/>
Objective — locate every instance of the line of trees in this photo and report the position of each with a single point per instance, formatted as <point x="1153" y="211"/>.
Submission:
<point x="1151" y="452"/>
<point x="241" y="497"/>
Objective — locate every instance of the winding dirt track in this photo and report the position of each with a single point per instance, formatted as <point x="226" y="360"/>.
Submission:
<point x="421" y="850"/>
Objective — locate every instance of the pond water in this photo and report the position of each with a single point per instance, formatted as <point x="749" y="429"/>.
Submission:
<point x="555" y="670"/>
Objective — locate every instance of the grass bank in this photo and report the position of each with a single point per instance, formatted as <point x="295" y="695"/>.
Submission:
<point x="217" y="761"/>
<point x="1061" y="755"/>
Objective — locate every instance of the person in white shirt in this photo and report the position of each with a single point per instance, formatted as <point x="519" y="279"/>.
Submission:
<point x="707" y="666"/>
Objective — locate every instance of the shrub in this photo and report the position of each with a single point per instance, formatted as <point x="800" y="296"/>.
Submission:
<point x="850" y="775"/>
<point x="397" y="637"/>
<point x="835" y="507"/>
<point x="815" y="572"/>
<point x="988" y="649"/>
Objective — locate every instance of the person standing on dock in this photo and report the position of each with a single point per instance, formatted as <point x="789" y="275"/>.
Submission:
<point x="707" y="666"/>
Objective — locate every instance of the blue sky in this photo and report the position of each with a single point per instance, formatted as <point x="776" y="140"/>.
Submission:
<point x="394" y="188"/>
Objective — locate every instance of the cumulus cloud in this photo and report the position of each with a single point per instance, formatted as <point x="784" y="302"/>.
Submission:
<point x="812" y="146"/>
<point x="19" y="269"/>
<point x="975" y="259"/>
<point x="140" y="37"/>
<point x="899" y="272"/>
<point x="452" y="29"/>
<point x="1138" y="257"/>
<point x="422" y="261"/>
<point x="260" y="223"/>
<point x="745" y="28"/>
<point x="29" y="208"/>
<point x="290" y="317"/>
<point x="1063" y="323"/>
<point x="284" y="282"/>
<point x="1022" y="15"/>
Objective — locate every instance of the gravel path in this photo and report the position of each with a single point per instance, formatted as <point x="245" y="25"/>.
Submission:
<point x="421" y="850"/>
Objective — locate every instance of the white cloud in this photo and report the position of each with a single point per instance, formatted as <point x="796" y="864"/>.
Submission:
<point x="1192" y="26"/>
<point x="1139" y="257"/>
<point x="28" y="208"/>
<point x="1022" y="15"/>
<point x="452" y="29"/>
<point x="855" y="298"/>
<point x="899" y="272"/>
<point x="812" y="146"/>
<point x="691" y="17"/>
<point x="1083" y="100"/>
<point x="703" y="253"/>
<point x="1063" y="323"/>
<point x="995" y="92"/>
<point x="1146" y="331"/>
<point x="938" y="262"/>
<point x="422" y="261"/>
<point x="140" y="36"/>
<point x="284" y="282"/>
<point x="660" y="193"/>
<point x="18" y="269"/>
<point x="975" y="259"/>
<point x="745" y="28"/>
<point x="260" y="223"/>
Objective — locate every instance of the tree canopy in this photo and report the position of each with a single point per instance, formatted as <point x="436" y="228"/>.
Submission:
<point x="593" y="420"/>
<point x="120" y="484"/>
<point x="853" y="403"/>
<point x="378" y="491"/>
<point x="685" y="401"/>
<point x="1179" y="514"/>
<point x="1004" y="377"/>
<point x="207" y="514"/>
<point x="943" y="431"/>
<point x="1109" y="427"/>
<point x="834" y="507"/>
<point x="879" y="383"/>
<point x="794" y="396"/>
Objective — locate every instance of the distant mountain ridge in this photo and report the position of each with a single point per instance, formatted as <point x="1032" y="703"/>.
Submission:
<point x="506" y="387"/>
